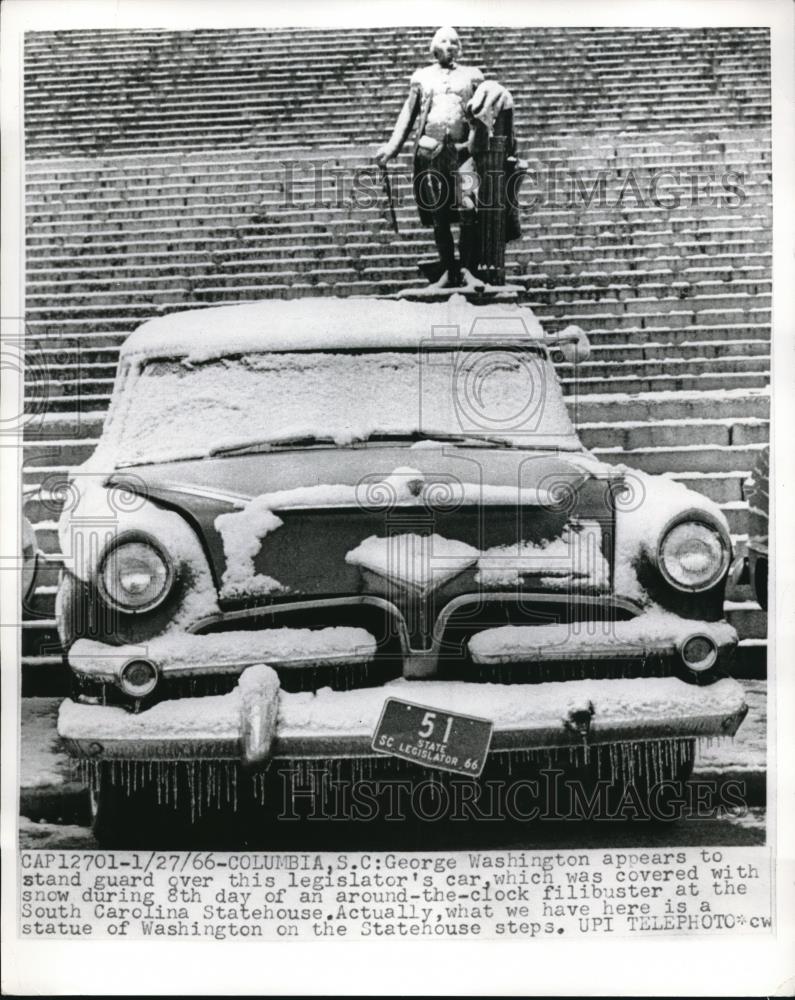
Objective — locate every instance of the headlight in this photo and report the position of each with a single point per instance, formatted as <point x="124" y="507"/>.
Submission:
<point x="693" y="555"/>
<point x="135" y="576"/>
<point x="138" y="678"/>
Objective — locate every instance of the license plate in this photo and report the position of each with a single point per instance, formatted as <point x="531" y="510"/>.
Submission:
<point x="433" y="738"/>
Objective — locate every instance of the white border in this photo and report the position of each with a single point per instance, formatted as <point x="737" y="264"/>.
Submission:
<point x="695" y="966"/>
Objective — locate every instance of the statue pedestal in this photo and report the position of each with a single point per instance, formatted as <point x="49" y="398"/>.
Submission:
<point x="481" y="293"/>
<point x="474" y="287"/>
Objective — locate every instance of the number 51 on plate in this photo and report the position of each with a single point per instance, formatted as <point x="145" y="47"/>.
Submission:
<point x="433" y="737"/>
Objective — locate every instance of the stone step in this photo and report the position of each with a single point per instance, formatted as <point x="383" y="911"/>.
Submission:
<point x="332" y="185"/>
<point x="269" y="184"/>
<point x="722" y="487"/>
<point x="75" y="289"/>
<point x="219" y="222"/>
<point x="577" y="166"/>
<point x="670" y="84"/>
<point x="93" y="63"/>
<point x="749" y="302"/>
<point x="665" y="147"/>
<point x="163" y="131"/>
<point x="671" y="406"/>
<point x="685" y="458"/>
<point x="318" y="133"/>
<point x="302" y="250"/>
<point x="575" y="232"/>
<point x="525" y="78"/>
<point x="736" y="513"/>
<point x="302" y="99"/>
<point x="675" y="433"/>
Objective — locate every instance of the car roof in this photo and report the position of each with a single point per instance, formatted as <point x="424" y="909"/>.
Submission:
<point x="329" y="324"/>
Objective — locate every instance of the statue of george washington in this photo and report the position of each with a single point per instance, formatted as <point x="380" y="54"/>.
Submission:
<point x="464" y="137"/>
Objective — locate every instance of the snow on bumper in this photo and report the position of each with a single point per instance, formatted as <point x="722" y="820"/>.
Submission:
<point x="258" y="721"/>
<point x="653" y="631"/>
<point x="183" y="654"/>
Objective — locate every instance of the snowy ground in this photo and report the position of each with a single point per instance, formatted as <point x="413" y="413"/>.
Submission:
<point x="504" y="835"/>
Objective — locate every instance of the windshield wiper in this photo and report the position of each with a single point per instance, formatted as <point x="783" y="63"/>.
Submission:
<point x="451" y="437"/>
<point x="252" y="447"/>
<point x="309" y="440"/>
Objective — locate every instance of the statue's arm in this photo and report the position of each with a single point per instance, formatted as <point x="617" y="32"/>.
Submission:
<point x="404" y="124"/>
<point x="489" y="98"/>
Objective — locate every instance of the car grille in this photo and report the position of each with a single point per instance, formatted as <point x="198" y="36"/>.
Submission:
<point x="457" y="624"/>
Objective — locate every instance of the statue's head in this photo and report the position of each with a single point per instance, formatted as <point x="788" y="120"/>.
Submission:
<point x="446" y="46"/>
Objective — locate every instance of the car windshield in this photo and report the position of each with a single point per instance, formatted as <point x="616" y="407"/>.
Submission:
<point x="176" y="410"/>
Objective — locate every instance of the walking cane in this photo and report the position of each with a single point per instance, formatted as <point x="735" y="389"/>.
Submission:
<point x="388" y="195"/>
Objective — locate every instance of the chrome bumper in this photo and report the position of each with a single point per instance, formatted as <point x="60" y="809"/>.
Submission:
<point x="258" y="722"/>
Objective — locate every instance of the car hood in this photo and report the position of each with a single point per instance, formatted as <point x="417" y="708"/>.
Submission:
<point x="328" y="522"/>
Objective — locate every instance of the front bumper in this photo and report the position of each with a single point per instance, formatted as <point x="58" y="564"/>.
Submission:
<point x="258" y="722"/>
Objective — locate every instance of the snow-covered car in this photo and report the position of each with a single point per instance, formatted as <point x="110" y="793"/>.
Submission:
<point x="301" y="509"/>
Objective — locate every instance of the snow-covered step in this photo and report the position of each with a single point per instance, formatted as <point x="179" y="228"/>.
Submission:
<point x="648" y="407"/>
<point x="736" y="513"/>
<point x="684" y="458"/>
<point x="674" y="433"/>
<point x="722" y="487"/>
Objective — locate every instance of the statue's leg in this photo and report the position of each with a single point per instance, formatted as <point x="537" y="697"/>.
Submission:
<point x="434" y="191"/>
<point x="468" y="243"/>
<point x="445" y="246"/>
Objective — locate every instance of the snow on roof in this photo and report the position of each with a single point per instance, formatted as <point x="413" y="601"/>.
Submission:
<point x="328" y="324"/>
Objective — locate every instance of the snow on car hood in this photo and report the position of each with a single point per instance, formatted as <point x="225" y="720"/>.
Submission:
<point x="375" y="519"/>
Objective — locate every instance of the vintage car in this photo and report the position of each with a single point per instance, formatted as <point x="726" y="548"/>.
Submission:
<point x="299" y="510"/>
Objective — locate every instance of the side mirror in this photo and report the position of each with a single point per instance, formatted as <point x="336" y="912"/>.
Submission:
<point x="570" y="345"/>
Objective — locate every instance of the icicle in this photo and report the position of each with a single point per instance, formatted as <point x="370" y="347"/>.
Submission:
<point x="192" y="790"/>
